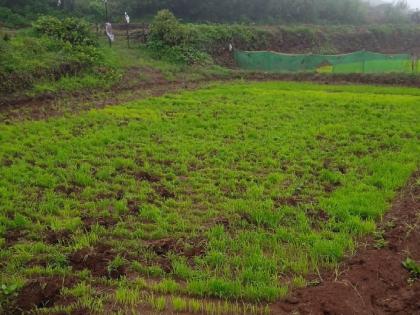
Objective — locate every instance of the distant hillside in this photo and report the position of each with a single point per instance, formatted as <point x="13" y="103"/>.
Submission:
<point x="347" y="12"/>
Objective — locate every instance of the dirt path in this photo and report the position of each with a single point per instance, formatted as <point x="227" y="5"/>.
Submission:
<point x="46" y="106"/>
<point x="374" y="280"/>
<point x="130" y="88"/>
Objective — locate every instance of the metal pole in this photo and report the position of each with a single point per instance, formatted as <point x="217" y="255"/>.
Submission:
<point x="106" y="20"/>
<point x="128" y="38"/>
<point x="127" y="22"/>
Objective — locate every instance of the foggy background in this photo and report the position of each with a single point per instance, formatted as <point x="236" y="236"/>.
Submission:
<point x="415" y="4"/>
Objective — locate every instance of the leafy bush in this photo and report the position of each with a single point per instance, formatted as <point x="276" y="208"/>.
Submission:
<point x="195" y="43"/>
<point x="167" y="29"/>
<point x="11" y="19"/>
<point x="71" y="30"/>
<point x="52" y="50"/>
<point x="183" y="54"/>
<point x="170" y="39"/>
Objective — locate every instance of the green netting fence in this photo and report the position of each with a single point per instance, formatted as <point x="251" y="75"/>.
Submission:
<point x="357" y="62"/>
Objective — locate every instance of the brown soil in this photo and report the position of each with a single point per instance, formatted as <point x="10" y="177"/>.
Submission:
<point x="96" y="259"/>
<point x="14" y="236"/>
<point x="374" y="280"/>
<point x="164" y="246"/>
<point x="78" y="311"/>
<point x="106" y="222"/>
<point x="164" y="192"/>
<point x="144" y="176"/>
<point x="41" y="292"/>
<point x="57" y="237"/>
<point x="190" y="249"/>
<point x="68" y="190"/>
<point x="133" y="207"/>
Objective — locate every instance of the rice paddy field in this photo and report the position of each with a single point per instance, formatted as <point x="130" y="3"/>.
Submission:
<point x="216" y="201"/>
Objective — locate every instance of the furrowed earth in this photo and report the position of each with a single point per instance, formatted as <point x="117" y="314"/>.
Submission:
<point x="241" y="198"/>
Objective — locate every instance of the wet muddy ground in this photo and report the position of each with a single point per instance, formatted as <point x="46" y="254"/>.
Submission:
<point x="374" y="281"/>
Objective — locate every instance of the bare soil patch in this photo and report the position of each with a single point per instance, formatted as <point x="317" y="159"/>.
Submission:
<point x="106" y="222"/>
<point x="144" y="176"/>
<point x="57" y="237"/>
<point x="374" y="280"/>
<point x="96" y="259"/>
<point x="190" y="249"/>
<point x="14" y="236"/>
<point x="40" y="293"/>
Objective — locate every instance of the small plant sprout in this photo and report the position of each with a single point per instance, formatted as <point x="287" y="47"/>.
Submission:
<point x="179" y="304"/>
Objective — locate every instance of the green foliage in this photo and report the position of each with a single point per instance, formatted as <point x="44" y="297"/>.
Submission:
<point x="157" y="303"/>
<point x="412" y="267"/>
<point x="179" y="304"/>
<point x="167" y="29"/>
<point x="52" y="55"/>
<point x="11" y="19"/>
<point x="70" y="30"/>
<point x="7" y="290"/>
<point x="169" y="39"/>
<point x="195" y="43"/>
<point x="245" y="11"/>
<point x="271" y="11"/>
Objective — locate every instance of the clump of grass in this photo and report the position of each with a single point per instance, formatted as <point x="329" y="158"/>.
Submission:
<point x="126" y="296"/>
<point x="298" y="282"/>
<point x="117" y="263"/>
<point x="157" y="303"/>
<point x="179" y="304"/>
<point x="167" y="286"/>
<point x="412" y="267"/>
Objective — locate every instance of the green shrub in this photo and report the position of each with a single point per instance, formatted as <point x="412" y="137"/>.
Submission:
<point x="70" y="30"/>
<point x="167" y="29"/>
<point x="51" y="50"/>
<point x="169" y="39"/>
<point x="11" y="19"/>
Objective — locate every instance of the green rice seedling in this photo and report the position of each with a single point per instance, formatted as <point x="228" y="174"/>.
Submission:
<point x="93" y="303"/>
<point x="266" y="310"/>
<point x="179" y="304"/>
<point x="80" y="290"/>
<point x="412" y="267"/>
<point x="181" y="269"/>
<point x="157" y="303"/>
<point x="166" y="286"/>
<point x="195" y="306"/>
<point x="139" y="283"/>
<point x="126" y="296"/>
<point x="214" y="193"/>
<point x="117" y="263"/>
<point x="298" y="282"/>
<point x="85" y="240"/>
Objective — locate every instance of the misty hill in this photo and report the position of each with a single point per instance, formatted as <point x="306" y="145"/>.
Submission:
<point x="224" y="11"/>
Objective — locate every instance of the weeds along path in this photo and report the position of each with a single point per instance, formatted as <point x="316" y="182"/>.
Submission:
<point x="374" y="281"/>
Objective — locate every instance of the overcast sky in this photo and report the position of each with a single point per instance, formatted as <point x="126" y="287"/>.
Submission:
<point x="414" y="3"/>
